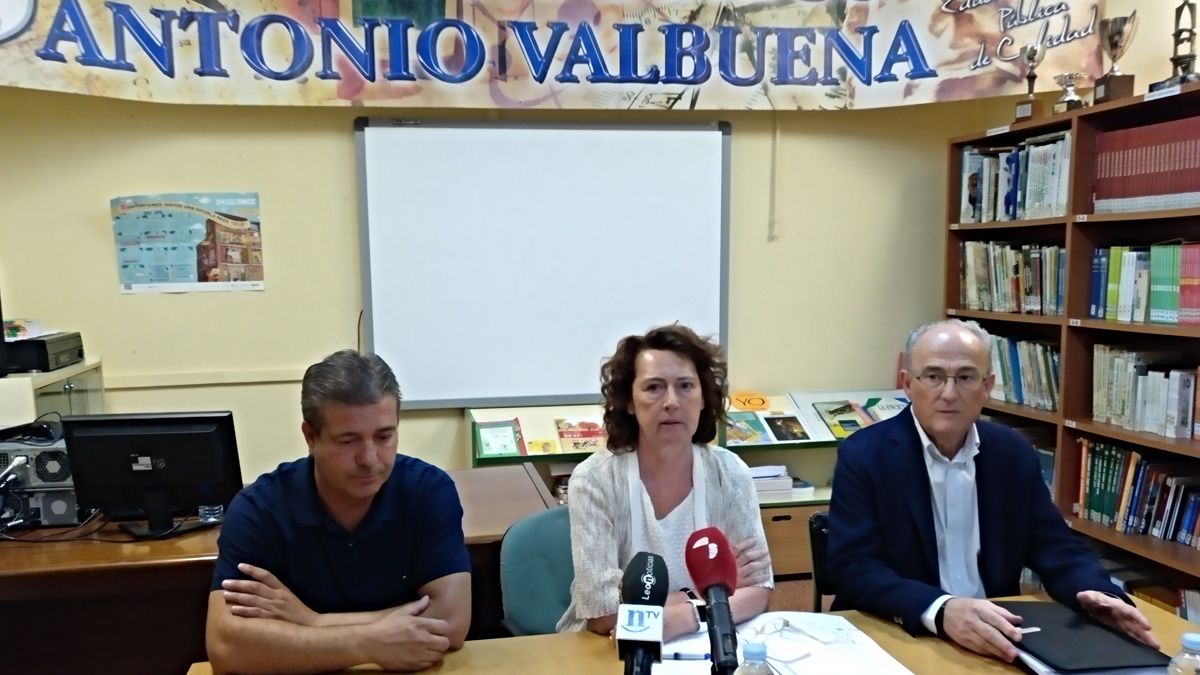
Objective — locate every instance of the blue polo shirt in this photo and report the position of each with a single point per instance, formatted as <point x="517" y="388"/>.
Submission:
<point x="411" y="535"/>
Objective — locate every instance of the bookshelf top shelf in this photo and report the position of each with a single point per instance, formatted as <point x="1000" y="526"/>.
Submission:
<point x="1166" y="214"/>
<point x="1048" y="416"/>
<point x="1188" y="331"/>
<point x="1131" y="111"/>
<point x="1009" y="224"/>
<point x="1005" y="316"/>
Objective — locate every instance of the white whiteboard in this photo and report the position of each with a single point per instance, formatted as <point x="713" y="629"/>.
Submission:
<point x="502" y="263"/>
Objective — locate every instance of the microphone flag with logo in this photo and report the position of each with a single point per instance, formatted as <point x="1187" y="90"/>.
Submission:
<point x="713" y="567"/>
<point x="644" y="590"/>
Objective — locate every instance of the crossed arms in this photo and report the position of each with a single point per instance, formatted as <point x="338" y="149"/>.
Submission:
<point x="258" y="625"/>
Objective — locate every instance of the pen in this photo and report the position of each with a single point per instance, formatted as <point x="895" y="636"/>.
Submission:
<point x="680" y="656"/>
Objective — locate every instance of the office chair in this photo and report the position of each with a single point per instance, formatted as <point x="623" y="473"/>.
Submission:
<point x="536" y="571"/>
<point x="818" y="538"/>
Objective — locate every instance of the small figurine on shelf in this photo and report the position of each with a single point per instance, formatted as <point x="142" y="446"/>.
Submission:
<point x="1183" y="66"/>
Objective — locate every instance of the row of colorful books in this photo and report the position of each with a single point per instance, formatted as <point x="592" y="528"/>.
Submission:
<point x="1028" y="180"/>
<point x="504" y="438"/>
<point x="811" y="418"/>
<point x="997" y="276"/>
<point x="1026" y="372"/>
<point x="1149" y="167"/>
<point x="1138" y="284"/>
<point x="1137" y="494"/>
<point x="1146" y="390"/>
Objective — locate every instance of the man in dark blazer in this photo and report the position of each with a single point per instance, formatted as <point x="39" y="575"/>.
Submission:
<point x="933" y="511"/>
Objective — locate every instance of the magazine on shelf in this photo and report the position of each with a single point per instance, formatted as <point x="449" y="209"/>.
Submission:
<point x="843" y="417"/>
<point x="501" y="438"/>
<point x="831" y="416"/>
<point x="581" y="434"/>
<point x="765" y="427"/>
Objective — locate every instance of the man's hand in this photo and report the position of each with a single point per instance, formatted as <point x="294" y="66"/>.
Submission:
<point x="1117" y="614"/>
<point x="265" y="598"/>
<point x="405" y="641"/>
<point x="982" y="627"/>
<point x="752" y="563"/>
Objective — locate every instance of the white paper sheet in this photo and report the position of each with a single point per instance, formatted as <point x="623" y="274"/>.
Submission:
<point x="797" y="643"/>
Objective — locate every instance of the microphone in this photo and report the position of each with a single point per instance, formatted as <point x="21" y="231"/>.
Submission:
<point x="639" y="630"/>
<point x="713" y="566"/>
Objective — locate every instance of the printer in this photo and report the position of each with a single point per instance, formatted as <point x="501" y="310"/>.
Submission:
<point x="45" y="352"/>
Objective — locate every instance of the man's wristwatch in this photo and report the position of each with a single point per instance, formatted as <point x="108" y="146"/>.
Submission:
<point x="699" y="609"/>
<point x="939" y="620"/>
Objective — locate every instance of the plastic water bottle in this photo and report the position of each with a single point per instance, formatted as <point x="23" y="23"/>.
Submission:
<point x="211" y="513"/>
<point x="754" y="660"/>
<point x="1187" y="662"/>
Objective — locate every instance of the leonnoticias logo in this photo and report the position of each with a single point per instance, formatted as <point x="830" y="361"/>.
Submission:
<point x="15" y="17"/>
<point x="648" y="579"/>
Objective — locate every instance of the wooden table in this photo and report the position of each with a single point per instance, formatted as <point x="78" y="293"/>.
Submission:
<point x="143" y="604"/>
<point x="589" y="654"/>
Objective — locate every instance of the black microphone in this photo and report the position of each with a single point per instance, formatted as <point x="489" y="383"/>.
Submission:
<point x="644" y="590"/>
<point x="713" y="566"/>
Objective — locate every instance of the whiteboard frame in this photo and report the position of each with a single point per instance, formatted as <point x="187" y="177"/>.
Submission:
<point x="367" y="334"/>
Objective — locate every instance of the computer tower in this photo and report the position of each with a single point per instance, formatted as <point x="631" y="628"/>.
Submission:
<point x="43" y="494"/>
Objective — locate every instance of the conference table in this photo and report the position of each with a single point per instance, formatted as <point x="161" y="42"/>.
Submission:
<point x="589" y="654"/>
<point x="140" y="606"/>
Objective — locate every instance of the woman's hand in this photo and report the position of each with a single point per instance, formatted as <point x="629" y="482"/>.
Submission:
<point x="753" y="563"/>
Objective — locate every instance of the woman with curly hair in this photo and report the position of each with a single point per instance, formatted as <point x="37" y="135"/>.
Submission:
<point x="660" y="480"/>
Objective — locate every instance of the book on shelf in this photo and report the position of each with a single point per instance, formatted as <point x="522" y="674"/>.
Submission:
<point x="1026" y="372"/>
<point x="1148" y="168"/>
<point x="1137" y="284"/>
<point x="501" y="438"/>
<point x="842" y="417"/>
<point x="1143" y="391"/>
<point x="880" y="408"/>
<point x="581" y="434"/>
<point x="997" y="276"/>
<point x="792" y="489"/>
<point x="765" y="427"/>
<point x="1025" y="181"/>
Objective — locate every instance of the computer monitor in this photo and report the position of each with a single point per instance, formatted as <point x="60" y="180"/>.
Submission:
<point x="155" y="464"/>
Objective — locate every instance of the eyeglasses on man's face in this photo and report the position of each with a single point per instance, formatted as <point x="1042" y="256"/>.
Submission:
<point x="964" y="382"/>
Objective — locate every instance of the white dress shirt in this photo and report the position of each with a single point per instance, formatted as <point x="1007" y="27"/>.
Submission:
<point x="955" y="520"/>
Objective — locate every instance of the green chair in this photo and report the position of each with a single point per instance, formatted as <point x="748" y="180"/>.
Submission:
<point x="536" y="571"/>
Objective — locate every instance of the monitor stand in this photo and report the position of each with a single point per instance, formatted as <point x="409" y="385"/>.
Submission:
<point x="150" y="532"/>
<point x="159" y="524"/>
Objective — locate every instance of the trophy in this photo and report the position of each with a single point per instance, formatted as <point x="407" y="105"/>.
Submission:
<point x="1031" y="55"/>
<point x="1069" y="100"/>
<point x="1184" y="65"/>
<point x="1116" y="34"/>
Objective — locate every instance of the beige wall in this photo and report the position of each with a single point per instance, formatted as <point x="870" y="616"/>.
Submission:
<point x="855" y="261"/>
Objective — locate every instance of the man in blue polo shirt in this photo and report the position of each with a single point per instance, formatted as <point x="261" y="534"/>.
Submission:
<point x="353" y="554"/>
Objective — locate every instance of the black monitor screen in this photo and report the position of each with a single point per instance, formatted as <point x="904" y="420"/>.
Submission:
<point x="157" y="463"/>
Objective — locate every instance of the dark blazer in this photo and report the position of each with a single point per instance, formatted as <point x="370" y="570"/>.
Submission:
<point x="882" y="555"/>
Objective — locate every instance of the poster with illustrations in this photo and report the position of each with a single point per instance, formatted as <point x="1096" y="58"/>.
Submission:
<point x="187" y="242"/>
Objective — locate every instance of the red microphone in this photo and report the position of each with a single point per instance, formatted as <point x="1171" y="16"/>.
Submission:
<point x="713" y="567"/>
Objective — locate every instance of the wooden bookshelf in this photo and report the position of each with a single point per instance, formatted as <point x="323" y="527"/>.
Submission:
<point x="1080" y="231"/>
<point x="1013" y="317"/>
<point x="1010" y="224"/>
<point x="1047" y="416"/>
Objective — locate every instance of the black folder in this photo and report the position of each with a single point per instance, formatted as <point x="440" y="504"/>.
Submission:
<point x="1070" y="642"/>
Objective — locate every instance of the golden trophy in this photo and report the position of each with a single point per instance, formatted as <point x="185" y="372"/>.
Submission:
<point x="1029" y="107"/>
<point x="1116" y="33"/>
